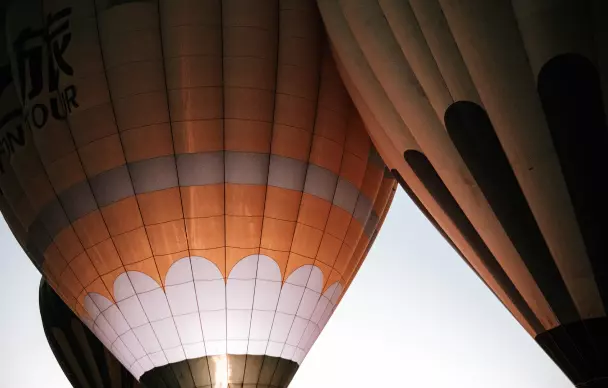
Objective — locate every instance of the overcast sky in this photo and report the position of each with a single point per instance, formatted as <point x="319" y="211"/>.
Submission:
<point x="415" y="316"/>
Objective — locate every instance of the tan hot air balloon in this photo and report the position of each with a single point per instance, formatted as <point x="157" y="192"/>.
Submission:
<point x="190" y="176"/>
<point x="493" y="113"/>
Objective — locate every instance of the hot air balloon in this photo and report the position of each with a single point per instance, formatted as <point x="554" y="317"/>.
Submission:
<point x="190" y="176"/>
<point x="84" y="359"/>
<point x="493" y="116"/>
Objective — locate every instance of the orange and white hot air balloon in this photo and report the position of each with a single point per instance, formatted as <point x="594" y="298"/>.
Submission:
<point x="190" y="176"/>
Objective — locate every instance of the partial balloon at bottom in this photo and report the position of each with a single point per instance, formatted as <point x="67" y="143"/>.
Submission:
<point x="83" y="358"/>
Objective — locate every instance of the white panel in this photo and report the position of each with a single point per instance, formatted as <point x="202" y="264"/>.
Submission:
<point x="142" y="282"/>
<point x="123" y="351"/>
<point x="330" y="290"/>
<point x="88" y="322"/>
<point x="336" y="295"/>
<point x="139" y="370"/>
<point x="315" y="281"/>
<point x="195" y="350"/>
<point x="237" y="347"/>
<point x="132" y="311"/>
<point x="326" y="315"/>
<point x="133" y="344"/>
<point x="320" y="309"/>
<point x="179" y="272"/>
<point x="215" y="348"/>
<point x="132" y="369"/>
<point x="182" y="298"/>
<point x="115" y="318"/>
<point x="297" y="329"/>
<point x="257" y="347"/>
<point x="239" y="294"/>
<point x="100" y="301"/>
<point x="175" y="354"/>
<point x="214" y="325"/>
<point x="300" y="276"/>
<point x="136" y="370"/>
<point x="280" y="327"/>
<point x="145" y="363"/>
<point x="189" y="328"/>
<point x="290" y="298"/>
<point x="274" y="349"/>
<point x="122" y="287"/>
<point x="91" y="307"/>
<point x="158" y="359"/>
<point x="315" y="334"/>
<point x="308" y="303"/>
<point x="315" y="337"/>
<point x="116" y="353"/>
<point x="106" y="329"/>
<point x="211" y="294"/>
<point x="266" y="295"/>
<point x="166" y="333"/>
<point x="155" y="304"/>
<point x="310" y="328"/>
<point x="245" y="269"/>
<point x="203" y="269"/>
<point x="261" y="331"/>
<point x="102" y="337"/>
<point x="268" y="269"/>
<point x="299" y="356"/>
<point x="261" y="323"/>
<point x="288" y="352"/>
<point x="147" y="338"/>
<point x="238" y="324"/>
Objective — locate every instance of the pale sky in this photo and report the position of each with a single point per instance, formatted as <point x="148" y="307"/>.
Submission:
<point x="415" y="316"/>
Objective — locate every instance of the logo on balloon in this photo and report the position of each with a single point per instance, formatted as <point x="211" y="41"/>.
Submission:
<point x="38" y="54"/>
<point x="12" y="135"/>
<point x="32" y="48"/>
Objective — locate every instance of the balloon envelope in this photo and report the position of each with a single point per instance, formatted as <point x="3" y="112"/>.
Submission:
<point x="191" y="177"/>
<point x="493" y="114"/>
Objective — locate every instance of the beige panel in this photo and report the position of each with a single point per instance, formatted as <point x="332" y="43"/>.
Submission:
<point x="353" y="60"/>
<point x="393" y="157"/>
<point x="553" y="27"/>
<point x="412" y="43"/>
<point x="392" y="71"/>
<point x="441" y="43"/>
<point x="550" y="28"/>
<point x="496" y="60"/>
